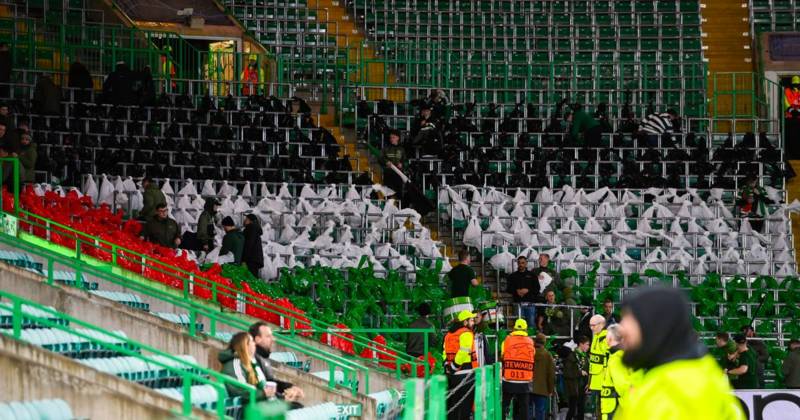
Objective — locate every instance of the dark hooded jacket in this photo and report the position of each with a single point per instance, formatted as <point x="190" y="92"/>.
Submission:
<point x="664" y="318"/>
<point x="253" y="254"/>
<point x="205" y="224"/>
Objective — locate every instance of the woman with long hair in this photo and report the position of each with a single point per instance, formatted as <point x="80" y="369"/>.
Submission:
<point x="238" y="361"/>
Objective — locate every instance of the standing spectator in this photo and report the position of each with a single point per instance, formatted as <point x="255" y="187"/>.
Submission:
<point x="5" y="136"/>
<point x="206" y="233"/>
<point x="723" y="348"/>
<point x="762" y="354"/>
<point x="263" y="338"/>
<point x="161" y="229"/>
<point x="5" y="70"/>
<point x="81" y="80"/>
<point x="553" y="320"/>
<point x="544" y="267"/>
<point x="118" y="86"/>
<point x="239" y="362"/>
<point x="585" y="130"/>
<point x="544" y="376"/>
<point x="151" y="199"/>
<point x="147" y="88"/>
<point x="745" y="374"/>
<point x="462" y="276"/>
<point x="393" y="155"/>
<point x="251" y="78"/>
<point x="6" y="170"/>
<point x="581" y="328"/>
<point x="576" y="375"/>
<point x="233" y="241"/>
<point x="524" y="289"/>
<point x="46" y="96"/>
<point x="658" y="125"/>
<point x="791" y="365"/>
<point x="415" y="346"/>
<point x="680" y="381"/>
<point x="517" y="354"/>
<point x="608" y="312"/>
<point x="27" y="159"/>
<point x="253" y="253"/>
<point x="482" y="349"/>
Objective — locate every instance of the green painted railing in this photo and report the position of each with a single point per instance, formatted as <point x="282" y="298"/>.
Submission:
<point x="188" y="372"/>
<point x="428" y="400"/>
<point x="196" y="310"/>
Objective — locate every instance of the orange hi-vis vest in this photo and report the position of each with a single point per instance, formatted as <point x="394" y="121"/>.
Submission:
<point x="518" y="353"/>
<point x="791" y="100"/>
<point x="452" y="346"/>
<point x="249" y="82"/>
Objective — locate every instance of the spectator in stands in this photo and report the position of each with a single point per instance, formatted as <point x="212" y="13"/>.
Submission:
<point x="262" y="335"/>
<point x="27" y="159"/>
<point x="544" y="376"/>
<point x="762" y="354"/>
<point x="584" y="129"/>
<point x="151" y="199"/>
<point x="253" y="252"/>
<point x="239" y="362"/>
<point x="6" y="170"/>
<point x="609" y="313"/>
<point x="5" y="70"/>
<point x="544" y="267"/>
<point x="80" y="79"/>
<point x="46" y="96"/>
<point x="553" y="320"/>
<point x="233" y="241"/>
<point x="791" y="365"/>
<point x="658" y="125"/>
<point x="415" y="346"/>
<point x="6" y="139"/>
<point x="206" y="233"/>
<point x="723" y="348"/>
<point x="581" y="327"/>
<point x="482" y="349"/>
<point x="161" y="229"/>
<point x="752" y="203"/>
<point x="462" y="276"/>
<point x="393" y="156"/>
<point x="250" y="79"/>
<point x="147" y="87"/>
<point x="118" y="86"/>
<point x="518" y="355"/>
<point x="745" y="374"/>
<point x="524" y="289"/>
<point x="576" y="376"/>
<point x="601" y="115"/>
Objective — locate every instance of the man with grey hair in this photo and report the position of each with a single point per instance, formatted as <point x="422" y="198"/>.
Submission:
<point x="598" y="356"/>
<point x="617" y="376"/>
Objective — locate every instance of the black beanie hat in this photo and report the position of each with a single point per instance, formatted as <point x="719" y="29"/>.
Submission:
<point x="227" y="221"/>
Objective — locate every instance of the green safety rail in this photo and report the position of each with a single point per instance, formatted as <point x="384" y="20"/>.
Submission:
<point x="195" y="309"/>
<point x="115" y="253"/>
<point x="189" y="373"/>
<point x="428" y="399"/>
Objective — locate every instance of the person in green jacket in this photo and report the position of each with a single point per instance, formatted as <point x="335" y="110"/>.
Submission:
<point x="239" y="362"/>
<point x="393" y="155"/>
<point x="791" y="365"/>
<point x="205" y="224"/>
<point x="233" y="241"/>
<point x="617" y="377"/>
<point x="680" y="380"/>
<point x="584" y="129"/>
<point x="27" y="159"/>
<point x="151" y="199"/>
<point x="745" y="373"/>
<point x="162" y="230"/>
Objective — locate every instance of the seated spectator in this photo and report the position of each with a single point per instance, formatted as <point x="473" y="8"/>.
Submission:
<point x="553" y="320"/>
<point x="162" y="230"/>
<point x="151" y="199"/>
<point x="239" y="362"/>
<point x="27" y="159"/>
<point x="233" y="241"/>
<point x="791" y="365"/>
<point x="462" y="276"/>
<point x="608" y="312"/>
<point x="253" y="252"/>
<point x="261" y="335"/>
<point x="46" y="96"/>
<point x="585" y="130"/>
<point x="745" y="373"/>
<point x="415" y="346"/>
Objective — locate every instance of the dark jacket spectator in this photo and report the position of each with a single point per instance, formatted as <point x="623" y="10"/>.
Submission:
<point x="27" y="159"/>
<point x="416" y="341"/>
<point x="585" y="129"/>
<point x="6" y="171"/>
<point x="5" y="70"/>
<point x="233" y="241"/>
<point x="253" y="253"/>
<point x="162" y="230"/>
<point x="81" y="79"/>
<point x="522" y="280"/>
<point x="762" y="354"/>
<point x="462" y="276"/>
<point x="46" y="96"/>
<point x="576" y="374"/>
<point x="393" y="155"/>
<point x="147" y="87"/>
<point x="553" y="320"/>
<point x="791" y="365"/>
<point x="118" y="86"/>
<point x="544" y="375"/>
<point x="264" y="339"/>
<point x="544" y="267"/>
<point x="152" y="198"/>
<point x="205" y="224"/>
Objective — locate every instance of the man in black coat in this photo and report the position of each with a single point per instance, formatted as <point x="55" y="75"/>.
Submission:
<point x="253" y="254"/>
<point x="118" y="86"/>
<point x="262" y="335"/>
<point x="81" y="79"/>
